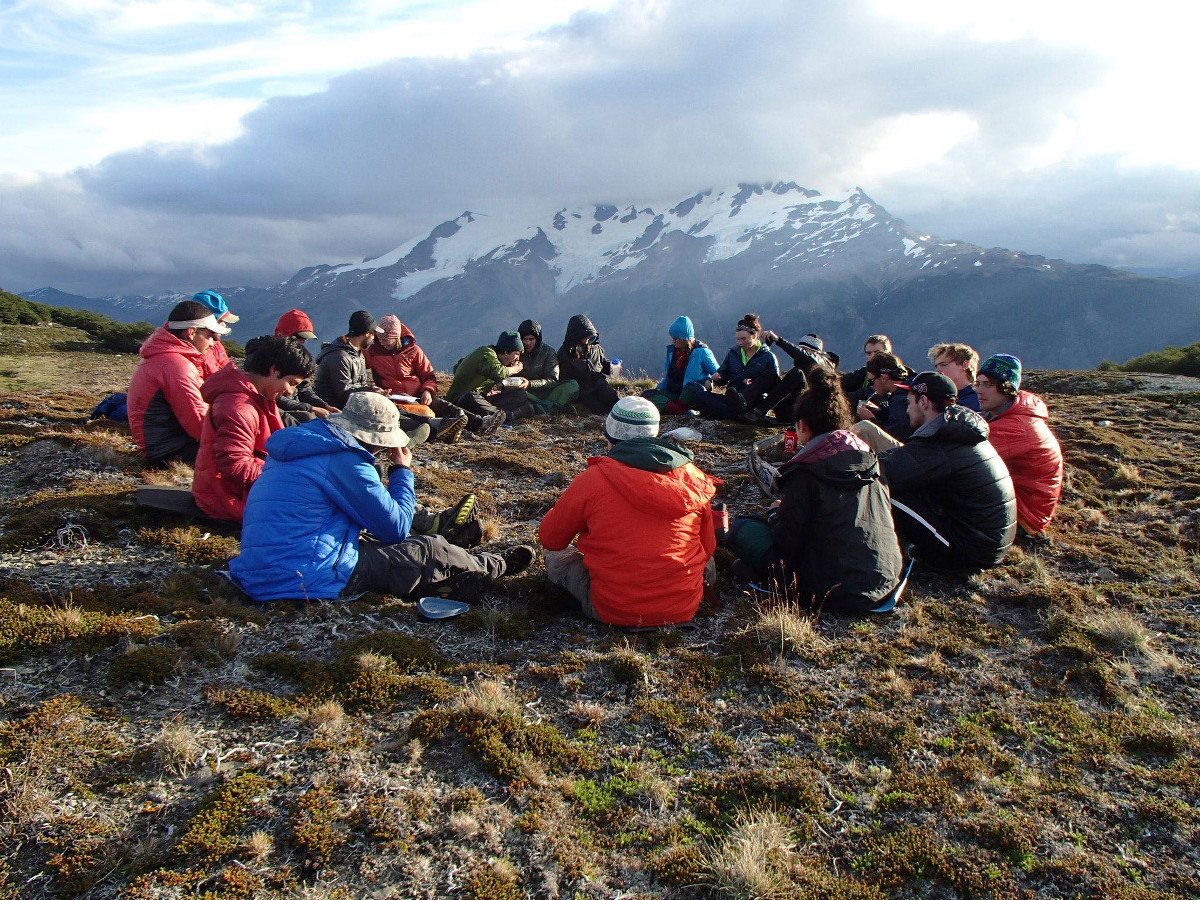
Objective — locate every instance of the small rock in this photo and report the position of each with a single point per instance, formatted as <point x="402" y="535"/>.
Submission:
<point x="1105" y="574"/>
<point x="1103" y="423"/>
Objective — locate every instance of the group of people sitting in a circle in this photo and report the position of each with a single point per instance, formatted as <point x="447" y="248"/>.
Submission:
<point x="313" y="457"/>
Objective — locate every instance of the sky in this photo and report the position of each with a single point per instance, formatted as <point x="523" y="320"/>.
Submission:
<point x="155" y="145"/>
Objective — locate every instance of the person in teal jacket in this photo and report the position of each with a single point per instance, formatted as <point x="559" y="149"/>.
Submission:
<point x="320" y="489"/>
<point x="688" y="369"/>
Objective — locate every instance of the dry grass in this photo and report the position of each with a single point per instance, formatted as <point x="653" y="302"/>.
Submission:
<point x="786" y="628"/>
<point x="752" y="861"/>
<point x="489" y="698"/>
<point x="177" y="747"/>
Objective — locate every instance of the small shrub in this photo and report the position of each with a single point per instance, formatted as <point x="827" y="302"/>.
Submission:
<point x="144" y="665"/>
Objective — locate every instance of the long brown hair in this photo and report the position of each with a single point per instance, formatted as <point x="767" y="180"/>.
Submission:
<point x="822" y="405"/>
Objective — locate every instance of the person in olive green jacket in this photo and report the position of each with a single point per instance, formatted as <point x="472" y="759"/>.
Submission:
<point x="479" y="377"/>
<point x="539" y="364"/>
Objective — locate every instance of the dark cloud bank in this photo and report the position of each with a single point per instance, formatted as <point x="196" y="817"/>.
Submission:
<point x="625" y="107"/>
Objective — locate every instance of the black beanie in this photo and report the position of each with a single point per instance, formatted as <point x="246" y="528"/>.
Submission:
<point x="508" y="342"/>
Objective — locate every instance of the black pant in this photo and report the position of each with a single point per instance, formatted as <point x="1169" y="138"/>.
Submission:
<point x="477" y="409"/>
<point x="782" y="397"/>
<point x="927" y="529"/>
<point x="419" y="562"/>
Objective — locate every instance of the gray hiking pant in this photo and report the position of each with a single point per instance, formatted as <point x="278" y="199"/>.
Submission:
<point x="419" y="562"/>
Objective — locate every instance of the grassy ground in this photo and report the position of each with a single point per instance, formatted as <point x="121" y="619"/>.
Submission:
<point x="1027" y="732"/>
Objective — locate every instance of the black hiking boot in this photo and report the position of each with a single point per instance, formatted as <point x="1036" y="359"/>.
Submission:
<point x="518" y="559"/>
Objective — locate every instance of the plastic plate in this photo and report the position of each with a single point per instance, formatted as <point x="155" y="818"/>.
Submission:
<point x="441" y="608"/>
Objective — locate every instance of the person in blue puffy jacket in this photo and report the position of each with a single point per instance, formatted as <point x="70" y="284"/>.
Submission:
<point x="320" y="489"/>
<point x="688" y="368"/>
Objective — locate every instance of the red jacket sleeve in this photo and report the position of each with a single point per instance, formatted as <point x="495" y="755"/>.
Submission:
<point x="567" y="517"/>
<point x="236" y="425"/>
<point x="423" y="369"/>
<point x="180" y="383"/>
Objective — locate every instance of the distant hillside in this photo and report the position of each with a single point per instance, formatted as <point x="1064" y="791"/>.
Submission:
<point x="1169" y="361"/>
<point x="120" y="337"/>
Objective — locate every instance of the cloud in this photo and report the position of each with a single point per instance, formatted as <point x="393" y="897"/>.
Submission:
<point x="645" y="104"/>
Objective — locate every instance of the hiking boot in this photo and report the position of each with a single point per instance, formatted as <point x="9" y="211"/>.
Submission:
<point x="518" y="559"/>
<point x="492" y="422"/>
<point x="460" y="513"/>
<point x="524" y="411"/>
<point x="451" y="429"/>
<point x="467" y="535"/>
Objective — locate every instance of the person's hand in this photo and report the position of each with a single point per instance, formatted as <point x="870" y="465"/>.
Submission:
<point x="524" y="384"/>
<point x="320" y="412"/>
<point x="768" y="336"/>
<point x="400" y="456"/>
<point x="864" y="413"/>
<point x="775" y="505"/>
<point x="383" y="391"/>
<point x="426" y="397"/>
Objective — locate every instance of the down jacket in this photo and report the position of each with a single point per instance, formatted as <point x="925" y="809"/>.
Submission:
<point x="341" y="371"/>
<point x="216" y="358"/>
<point x="834" y="525"/>
<point x="233" y="443"/>
<point x="1028" y="447"/>
<point x="539" y="365"/>
<point x="735" y="370"/>
<point x="701" y="365"/>
<point x="645" y="530"/>
<point x="165" y="405"/>
<point x="300" y="531"/>
<point x="949" y="465"/>
<point x="404" y="370"/>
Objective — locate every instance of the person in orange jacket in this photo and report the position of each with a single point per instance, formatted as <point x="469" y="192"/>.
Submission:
<point x="1021" y="435"/>
<point x="643" y="520"/>
<point x="242" y="415"/>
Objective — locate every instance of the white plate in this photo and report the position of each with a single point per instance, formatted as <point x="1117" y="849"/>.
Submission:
<point x="514" y="381"/>
<point x="403" y="398"/>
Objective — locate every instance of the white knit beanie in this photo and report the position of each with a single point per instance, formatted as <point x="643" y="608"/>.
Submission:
<point x="632" y="417"/>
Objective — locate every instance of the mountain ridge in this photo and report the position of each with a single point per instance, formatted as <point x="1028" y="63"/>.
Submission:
<point x="837" y="264"/>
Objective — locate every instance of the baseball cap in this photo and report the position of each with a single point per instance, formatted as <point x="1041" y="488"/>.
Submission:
<point x="933" y="385"/>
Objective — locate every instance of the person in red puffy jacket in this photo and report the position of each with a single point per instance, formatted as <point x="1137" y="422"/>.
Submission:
<point x="1022" y="437"/>
<point x="242" y="415"/>
<point x="165" y="405"/>
<point x="216" y="357"/>
<point x="644" y="523"/>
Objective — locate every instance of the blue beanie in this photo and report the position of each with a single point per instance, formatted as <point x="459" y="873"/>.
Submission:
<point x="1003" y="369"/>
<point x="683" y="329"/>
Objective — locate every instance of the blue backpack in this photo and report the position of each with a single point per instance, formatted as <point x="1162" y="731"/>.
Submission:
<point x="114" y="406"/>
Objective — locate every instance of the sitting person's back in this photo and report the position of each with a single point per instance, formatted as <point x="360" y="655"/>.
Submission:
<point x="164" y="402"/>
<point x="644" y="526"/>
<point x="951" y="491"/>
<point x="1021" y="435"/>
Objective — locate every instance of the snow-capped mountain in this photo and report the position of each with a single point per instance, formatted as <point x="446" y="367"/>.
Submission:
<point x="836" y="264"/>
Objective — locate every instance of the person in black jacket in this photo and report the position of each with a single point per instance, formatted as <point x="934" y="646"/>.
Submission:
<point x="806" y="354"/>
<point x="952" y="496"/>
<point x="830" y="541"/>
<point x="883" y="417"/>
<point x="581" y="359"/>
<point x="857" y="384"/>
<point x="749" y="371"/>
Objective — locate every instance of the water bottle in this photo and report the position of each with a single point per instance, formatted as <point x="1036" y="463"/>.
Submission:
<point x="790" y="440"/>
<point x="720" y="520"/>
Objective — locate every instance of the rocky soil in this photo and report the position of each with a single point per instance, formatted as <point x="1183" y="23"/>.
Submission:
<point x="1031" y="731"/>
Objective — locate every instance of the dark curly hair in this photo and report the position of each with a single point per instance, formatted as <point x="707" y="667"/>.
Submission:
<point x="288" y="356"/>
<point x="822" y="405"/>
<point x="750" y="322"/>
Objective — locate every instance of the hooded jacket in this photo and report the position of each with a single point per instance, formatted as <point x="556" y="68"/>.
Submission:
<point x="701" y="365"/>
<point x="539" y="365"/>
<point x="950" y="465"/>
<point x="341" y="370"/>
<point x="1029" y="448"/>
<point x="834" y="525"/>
<point x="403" y="370"/>
<point x="317" y="491"/>
<point x="165" y="405"/>
<point x="233" y="443"/>
<point x="734" y="370"/>
<point x="305" y="397"/>
<point x="215" y="358"/>
<point x="480" y="370"/>
<point x="592" y="364"/>
<point x="645" y="530"/>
